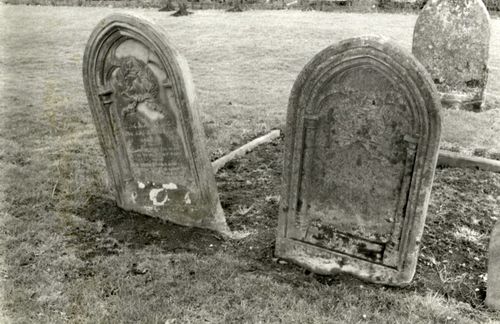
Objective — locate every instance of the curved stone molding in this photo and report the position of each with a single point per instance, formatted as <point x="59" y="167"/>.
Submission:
<point x="362" y="138"/>
<point x="451" y="39"/>
<point x="141" y="96"/>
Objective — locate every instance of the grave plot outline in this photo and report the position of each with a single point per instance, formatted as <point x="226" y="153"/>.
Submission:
<point x="142" y="100"/>
<point x="395" y="262"/>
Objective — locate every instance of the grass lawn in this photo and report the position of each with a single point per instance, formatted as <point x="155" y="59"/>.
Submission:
<point x="69" y="255"/>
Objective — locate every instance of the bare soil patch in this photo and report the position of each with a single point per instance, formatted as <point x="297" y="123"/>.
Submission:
<point x="68" y="254"/>
<point x="452" y="262"/>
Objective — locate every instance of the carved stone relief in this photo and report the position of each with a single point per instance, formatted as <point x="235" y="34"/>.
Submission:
<point x="142" y="100"/>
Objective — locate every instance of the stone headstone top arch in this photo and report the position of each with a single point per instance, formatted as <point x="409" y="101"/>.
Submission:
<point x="451" y="39"/>
<point x="143" y="104"/>
<point x="362" y="137"/>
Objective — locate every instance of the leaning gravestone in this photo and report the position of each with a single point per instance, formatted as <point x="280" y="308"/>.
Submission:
<point x="451" y="39"/>
<point x="142" y="100"/>
<point x="493" y="288"/>
<point x="363" y="129"/>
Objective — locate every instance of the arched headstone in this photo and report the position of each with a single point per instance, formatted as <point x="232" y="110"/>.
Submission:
<point x="362" y="137"/>
<point x="451" y="39"/>
<point x="142" y="100"/>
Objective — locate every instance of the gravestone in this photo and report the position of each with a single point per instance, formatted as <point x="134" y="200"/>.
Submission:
<point x="451" y="39"/>
<point x="141" y="96"/>
<point x="362" y="137"/>
<point x="493" y="283"/>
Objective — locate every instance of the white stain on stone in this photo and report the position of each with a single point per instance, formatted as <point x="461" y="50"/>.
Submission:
<point x="147" y="110"/>
<point x="141" y="185"/>
<point x="187" y="200"/>
<point x="134" y="196"/>
<point x="153" y="196"/>
<point x="169" y="186"/>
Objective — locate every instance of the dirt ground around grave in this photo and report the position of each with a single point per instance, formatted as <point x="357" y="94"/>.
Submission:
<point x="453" y="257"/>
<point x="68" y="254"/>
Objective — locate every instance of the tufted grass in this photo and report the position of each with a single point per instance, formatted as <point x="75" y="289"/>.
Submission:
<point x="51" y="165"/>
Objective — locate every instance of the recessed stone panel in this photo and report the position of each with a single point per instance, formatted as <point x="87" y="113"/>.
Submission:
<point x="363" y="129"/>
<point x="142" y="100"/>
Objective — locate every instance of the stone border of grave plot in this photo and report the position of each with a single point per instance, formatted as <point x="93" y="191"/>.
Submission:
<point x="244" y="149"/>
<point x="463" y="101"/>
<point x="456" y="160"/>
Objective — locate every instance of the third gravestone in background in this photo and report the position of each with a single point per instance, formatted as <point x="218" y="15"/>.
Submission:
<point x="363" y="129"/>
<point x="451" y="39"/>
<point x="142" y="100"/>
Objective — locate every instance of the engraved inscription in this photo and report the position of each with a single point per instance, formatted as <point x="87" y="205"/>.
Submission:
<point x="358" y="161"/>
<point x="363" y="129"/>
<point x="142" y="101"/>
<point x="148" y="125"/>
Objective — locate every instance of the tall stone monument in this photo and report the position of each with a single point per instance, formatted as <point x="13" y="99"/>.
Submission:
<point x="142" y="100"/>
<point x="451" y="39"/>
<point x="493" y="283"/>
<point x="362" y="137"/>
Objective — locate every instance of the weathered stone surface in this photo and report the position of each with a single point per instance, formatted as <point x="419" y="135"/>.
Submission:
<point x="451" y="39"/>
<point x="363" y="129"/>
<point x="493" y="285"/>
<point x="142" y="100"/>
